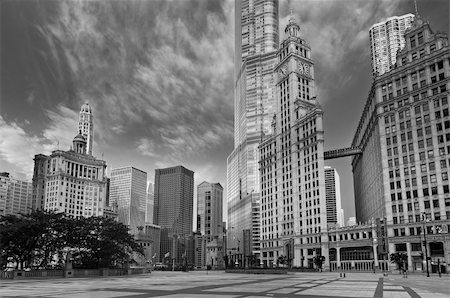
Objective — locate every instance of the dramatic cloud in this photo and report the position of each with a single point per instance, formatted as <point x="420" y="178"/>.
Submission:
<point x="338" y="33"/>
<point x="159" y="76"/>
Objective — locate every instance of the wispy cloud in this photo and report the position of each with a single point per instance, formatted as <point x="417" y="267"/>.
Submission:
<point x="338" y="33"/>
<point x="18" y="146"/>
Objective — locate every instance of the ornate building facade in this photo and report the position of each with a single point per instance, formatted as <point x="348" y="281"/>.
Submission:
<point x="71" y="181"/>
<point x="293" y="205"/>
<point x="401" y="176"/>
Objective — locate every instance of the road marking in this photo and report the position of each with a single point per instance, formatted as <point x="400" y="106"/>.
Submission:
<point x="379" y="289"/>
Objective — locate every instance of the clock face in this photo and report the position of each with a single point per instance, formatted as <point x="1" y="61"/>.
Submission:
<point x="283" y="71"/>
<point x="303" y="68"/>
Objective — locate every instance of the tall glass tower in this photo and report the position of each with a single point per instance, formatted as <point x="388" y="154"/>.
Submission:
<point x="256" y="41"/>
<point x="173" y="210"/>
<point x="128" y="190"/>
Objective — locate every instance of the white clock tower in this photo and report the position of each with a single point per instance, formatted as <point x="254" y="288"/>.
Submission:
<point x="293" y="204"/>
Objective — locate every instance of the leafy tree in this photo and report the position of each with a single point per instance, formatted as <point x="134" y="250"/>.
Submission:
<point x="43" y="238"/>
<point x="283" y="260"/>
<point x="318" y="261"/>
<point x="252" y="260"/>
<point x="398" y="258"/>
<point x="102" y="242"/>
<point x="19" y="235"/>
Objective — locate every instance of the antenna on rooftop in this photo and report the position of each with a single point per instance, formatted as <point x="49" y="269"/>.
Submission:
<point x="416" y="11"/>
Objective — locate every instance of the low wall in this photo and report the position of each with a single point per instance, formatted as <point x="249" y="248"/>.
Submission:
<point x="22" y="274"/>
<point x="257" y="271"/>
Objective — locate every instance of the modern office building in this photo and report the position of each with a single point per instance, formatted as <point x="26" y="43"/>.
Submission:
<point x="86" y="126"/>
<point x="333" y="197"/>
<point x="209" y="209"/>
<point x="293" y="204"/>
<point x="128" y="190"/>
<point x="386" y="38"/>
<point x="150" y="202"/>
<point x="256" y="43"/>
<point x="71" y="181"/>
<point x="401" y="176"/>
<point x="209" y="218"/>
<point x="173" y="210"/>
<point x="15" y="195"/>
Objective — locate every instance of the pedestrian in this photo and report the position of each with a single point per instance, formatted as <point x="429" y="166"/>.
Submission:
<point x="405" y="272"/>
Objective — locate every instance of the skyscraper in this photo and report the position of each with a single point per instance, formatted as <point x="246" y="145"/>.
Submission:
<point x="386" y="38"/>
<point x="256" y="42"/>
<point x="128" y="190"/>
<point x="333" y="196"/>
<point x="150" y="205"/>
<point x="86" y="126"/>
<point x="173" y="209"/>
<point x="293" y="204"/>
<point x="209" y="209"/>
<point x="15" y="195"/>
<point x="71" y="181"/>
<point x="402" y="175"/>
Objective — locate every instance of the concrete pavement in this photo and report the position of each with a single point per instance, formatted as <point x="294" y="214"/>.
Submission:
<point x="223" y="285"/>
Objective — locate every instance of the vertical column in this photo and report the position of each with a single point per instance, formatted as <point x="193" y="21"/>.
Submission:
<point x="375" y="254"/>
<point x="338" y="257"/>
<point x="409" y="252"/>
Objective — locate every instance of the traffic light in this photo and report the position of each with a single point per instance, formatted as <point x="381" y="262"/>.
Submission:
<point x="424" y="243"/>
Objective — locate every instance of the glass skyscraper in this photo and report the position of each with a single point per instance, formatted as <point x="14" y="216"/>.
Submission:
<point x="173" y="209"/>
<point x="256" y="42"/>
<point x="128" y="190"/>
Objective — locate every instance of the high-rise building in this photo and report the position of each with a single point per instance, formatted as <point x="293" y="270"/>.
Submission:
<point x="15" y="195"/>
<point x="209" y="209"/>
<point x="401" y="176"/>
<point x="173" y="210"/>
<point x="256" y="42"/>
<point x="128" y="190"/>
<point x="209" y="217"/>
<point x="386" y="38"/>
<point x="293" y="204"/>
<point x="333" y="196"/>
<point x="71" y="181"/>
<point x="86" y="126"/>
<point x="150" y="202"/>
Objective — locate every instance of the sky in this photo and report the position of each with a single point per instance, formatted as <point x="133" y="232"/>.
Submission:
<point x="159" y="76"/>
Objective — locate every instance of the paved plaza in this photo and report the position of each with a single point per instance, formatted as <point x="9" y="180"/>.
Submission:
<point x="223" y="285"/>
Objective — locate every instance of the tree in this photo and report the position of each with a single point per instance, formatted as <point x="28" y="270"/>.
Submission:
<point x="102" y="242"/>
<point x="398" y="258"/>
<point x="318" y="261"/>
<point x="283" y="260"/>
<point x="43" y="239"/>
<point x="19" y="235"/>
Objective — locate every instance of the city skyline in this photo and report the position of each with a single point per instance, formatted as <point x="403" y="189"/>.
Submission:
<point x="161" y="82"/>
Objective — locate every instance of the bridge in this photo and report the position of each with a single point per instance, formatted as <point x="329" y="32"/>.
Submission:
<point x="337" y="153"/>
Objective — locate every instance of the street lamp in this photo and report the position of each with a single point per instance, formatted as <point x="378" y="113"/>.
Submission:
<point x="425" y="241"/>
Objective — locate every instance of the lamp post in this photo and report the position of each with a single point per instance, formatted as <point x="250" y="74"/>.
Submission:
<point x="425" y="241"/>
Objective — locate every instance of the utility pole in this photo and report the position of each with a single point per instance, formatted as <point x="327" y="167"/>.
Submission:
<point x="425" y="242"/>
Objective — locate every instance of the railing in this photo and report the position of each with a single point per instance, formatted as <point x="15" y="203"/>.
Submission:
<point x="6" y="274"/>
<point x="363" y="265"/>
<point x="86" y="272"/>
